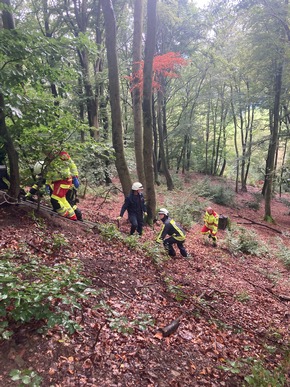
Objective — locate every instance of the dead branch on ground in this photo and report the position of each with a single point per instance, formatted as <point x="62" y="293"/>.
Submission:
<point x="257" y="223"/>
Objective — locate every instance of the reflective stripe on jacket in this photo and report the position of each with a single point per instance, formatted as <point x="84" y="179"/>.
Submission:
<point x="211" y="221"/>
<point x="172" y="229"/>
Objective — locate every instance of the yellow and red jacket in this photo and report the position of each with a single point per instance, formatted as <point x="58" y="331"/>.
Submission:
<point x="211" y="221"/>
<point x="62" y="167"/>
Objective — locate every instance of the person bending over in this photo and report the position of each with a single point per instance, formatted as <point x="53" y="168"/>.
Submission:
<point x="175" y="233"/>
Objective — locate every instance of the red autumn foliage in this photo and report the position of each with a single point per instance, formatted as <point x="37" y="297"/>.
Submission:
<point x="165" y="65"/>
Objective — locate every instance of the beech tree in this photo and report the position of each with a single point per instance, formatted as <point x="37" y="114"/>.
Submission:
<point x="136" y="91"/>
<point x="8" y="24"/>
<point x="117" y="132"/>
<point x="147" y="108"/>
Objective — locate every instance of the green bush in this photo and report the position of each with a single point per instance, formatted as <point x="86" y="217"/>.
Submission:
<point x="256" y="202"/>
<point x="254" y="205"/>
<point x="242" y="296"/>
<point x="217" y="193"/>
<point x="203" y="188"/>
<point x="283" y="254"/>
<point x="239" y="240"/>
<point x="188" y="211"/>
<point x="261" y="377"/>
<point x="119" y="322"/>
<point x="32" y="291"/>
<point x="223" y="195"/>
<point x="26" y="377"/>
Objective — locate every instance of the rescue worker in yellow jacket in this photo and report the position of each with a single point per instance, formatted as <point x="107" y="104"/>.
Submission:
<point x="61" y="174"/>
<point x="211" y="220"/>
<point x="175" y="233"/>
<point x="40" y="181"/>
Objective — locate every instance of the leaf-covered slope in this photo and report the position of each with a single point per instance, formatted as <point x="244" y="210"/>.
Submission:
<point x="232" y="316"/>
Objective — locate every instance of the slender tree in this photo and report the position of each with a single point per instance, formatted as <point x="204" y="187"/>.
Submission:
<point x="147" y="108"/>
<point x="273" y="143"/>
<point x="161" y="123"/>
<point x="8" y="23"/>
<point x="117" y="132"/>
<point x="136" y="92"/>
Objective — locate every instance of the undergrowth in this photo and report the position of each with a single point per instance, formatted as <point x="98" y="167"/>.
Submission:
<point x="188" y="211"/>
<point x="242" y="241"/>
<point x="256" y="373"/>
<point x="217" y="193"/>
<point x="283" y="253"/>
<point x="32" y="291"/>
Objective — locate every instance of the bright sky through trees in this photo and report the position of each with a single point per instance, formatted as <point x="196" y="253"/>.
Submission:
<point x="201" y="3"/>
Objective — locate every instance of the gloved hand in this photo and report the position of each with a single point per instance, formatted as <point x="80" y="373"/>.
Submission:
<point x="145" y="213"/>
<point x="75" y="181"/>
<point x="158" y="240"/>
<point x="119" y="217"/>
<point x="29" y="197"/>
<point x="47" y="189"/>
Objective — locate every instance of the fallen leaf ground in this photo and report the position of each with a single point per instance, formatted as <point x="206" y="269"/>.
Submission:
<point x="230" y="307"/>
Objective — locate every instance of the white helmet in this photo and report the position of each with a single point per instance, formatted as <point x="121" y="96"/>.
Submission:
<point x="137" y="186"/>
<point x="163" y="211"/>
<point x="38" y="167"/>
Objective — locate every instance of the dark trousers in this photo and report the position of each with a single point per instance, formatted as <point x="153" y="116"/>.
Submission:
<point x="136" y="224"/>
<point x="168" y="244"/>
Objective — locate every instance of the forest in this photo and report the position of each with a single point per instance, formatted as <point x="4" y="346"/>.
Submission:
<point x="155" y="88"/>
<point x="191" y="101"/>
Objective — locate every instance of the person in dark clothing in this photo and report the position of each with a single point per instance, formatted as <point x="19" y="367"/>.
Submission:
<point x="175" y="233"/>
<point x="135" y="205"/>
<point x="72" y="198"/>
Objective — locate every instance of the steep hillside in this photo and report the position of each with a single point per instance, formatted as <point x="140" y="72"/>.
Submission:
<point x="232" y="310"/>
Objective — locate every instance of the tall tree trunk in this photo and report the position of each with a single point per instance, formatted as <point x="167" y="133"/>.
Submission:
<point x="8" y="23"/>
<point x="90" y="98"/>
<point x="273" y="144"/>
<point x="117" y="133"/>
<point x="169" y="181"/>
<point x="7" y="17"/>
<point x="80" y="25"/>
<point x="155" y="144"/>
<point x="206" y="169"/>
<point x="137" y="102"/>
<point x="81" y="106"/>
<point x="283" y="166"/>
<point x="235" y="141"/>
<point x="249" y="141"/>
<point x="147" y="108"/>
<point x="98" y="65"/>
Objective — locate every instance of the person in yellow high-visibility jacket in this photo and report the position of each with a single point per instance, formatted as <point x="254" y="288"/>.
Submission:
<point x="211" y="220"/>
<point x="61" y="174"/>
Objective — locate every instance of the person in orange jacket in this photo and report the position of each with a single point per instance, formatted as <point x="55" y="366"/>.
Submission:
<point x="211" y="220"/>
